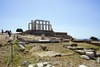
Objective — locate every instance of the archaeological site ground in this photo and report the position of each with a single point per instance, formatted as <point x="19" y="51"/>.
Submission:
<point x="40" y="46"/>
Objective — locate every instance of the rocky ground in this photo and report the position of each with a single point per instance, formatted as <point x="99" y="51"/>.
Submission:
<point x="53" y="53"/>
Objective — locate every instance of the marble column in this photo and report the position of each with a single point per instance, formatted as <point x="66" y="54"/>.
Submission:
<point x="48" y="26"/>
<point x="34" y="25"/>
<point x="51" y="27"/>
<point x="42" y="25"/>
<point x="39" y="26"/>
<point x="45" y="25"/>
<point x="31" y="24"/>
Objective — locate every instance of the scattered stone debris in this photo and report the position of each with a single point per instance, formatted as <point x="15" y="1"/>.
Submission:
<point x="98" y="60"/>
<point x="82" y="66"/>
<point x="22" y="47"/>
<point x="98" y="54"/>
<point x="90" y="54"/>
<point x="22" y="43"/>
<point x="27" y="51"/>
<point x="31" y="65"/>
<point x="41" y="64"/>
<point x="48" y="53"/>
<point x="85" y="57"/>
<point x="69" y="54"/>
<point x="95" y="54"/>
<point x="81" y="52"/>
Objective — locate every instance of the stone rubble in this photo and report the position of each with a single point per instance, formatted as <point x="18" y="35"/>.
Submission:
<point x="85" y="57"/>
<point x="82" y="66"/>
<point x="98" y="60"/>
<point x="90" y="54"/>
<point x="41" y="64"/>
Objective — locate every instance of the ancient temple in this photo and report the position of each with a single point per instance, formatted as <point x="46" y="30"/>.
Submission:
<point x="40" y="25"/>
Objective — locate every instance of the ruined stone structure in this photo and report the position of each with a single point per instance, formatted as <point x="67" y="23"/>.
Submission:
<point x="40" y="25"/>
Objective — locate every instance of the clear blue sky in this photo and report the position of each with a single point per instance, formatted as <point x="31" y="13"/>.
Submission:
<point x="79" y="18"/>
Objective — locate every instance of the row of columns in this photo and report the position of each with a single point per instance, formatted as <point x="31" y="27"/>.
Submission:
<point x="40" y="25"/>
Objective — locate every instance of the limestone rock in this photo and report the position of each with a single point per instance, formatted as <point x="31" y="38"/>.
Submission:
<point x="82" y="66"/>
<point x="85" y="57"/>
<point x="90" y="54"/>
<point x="48" y="65"/>
<point x="31" y="65"/>
<point x="21" y="46"/>
<point x="45" y="63"/>
<point x="39" y="64"/>
<point x="98" y="60"/>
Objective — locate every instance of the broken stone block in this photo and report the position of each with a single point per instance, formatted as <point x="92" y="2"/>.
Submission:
<point x="39" y="64"/>
<point x="95" y="54"/>
<point x="98" y="54"/>
<point x="81" y="52"/>
<point x="27" y="51"/>
<point x="32" y="65"/>
<point x="85" y="57"/>
<point x="48" y="65"/>
<point x="22" y="43"/>
<point x="98" y="60"/>
<point x="45" y="63"/>
<point x="90" y="54"/>
<point x="82" y="66"/>
<point x="21" y="46"/>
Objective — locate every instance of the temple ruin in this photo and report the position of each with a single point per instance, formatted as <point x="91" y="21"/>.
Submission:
<point x="39" y="27"/>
